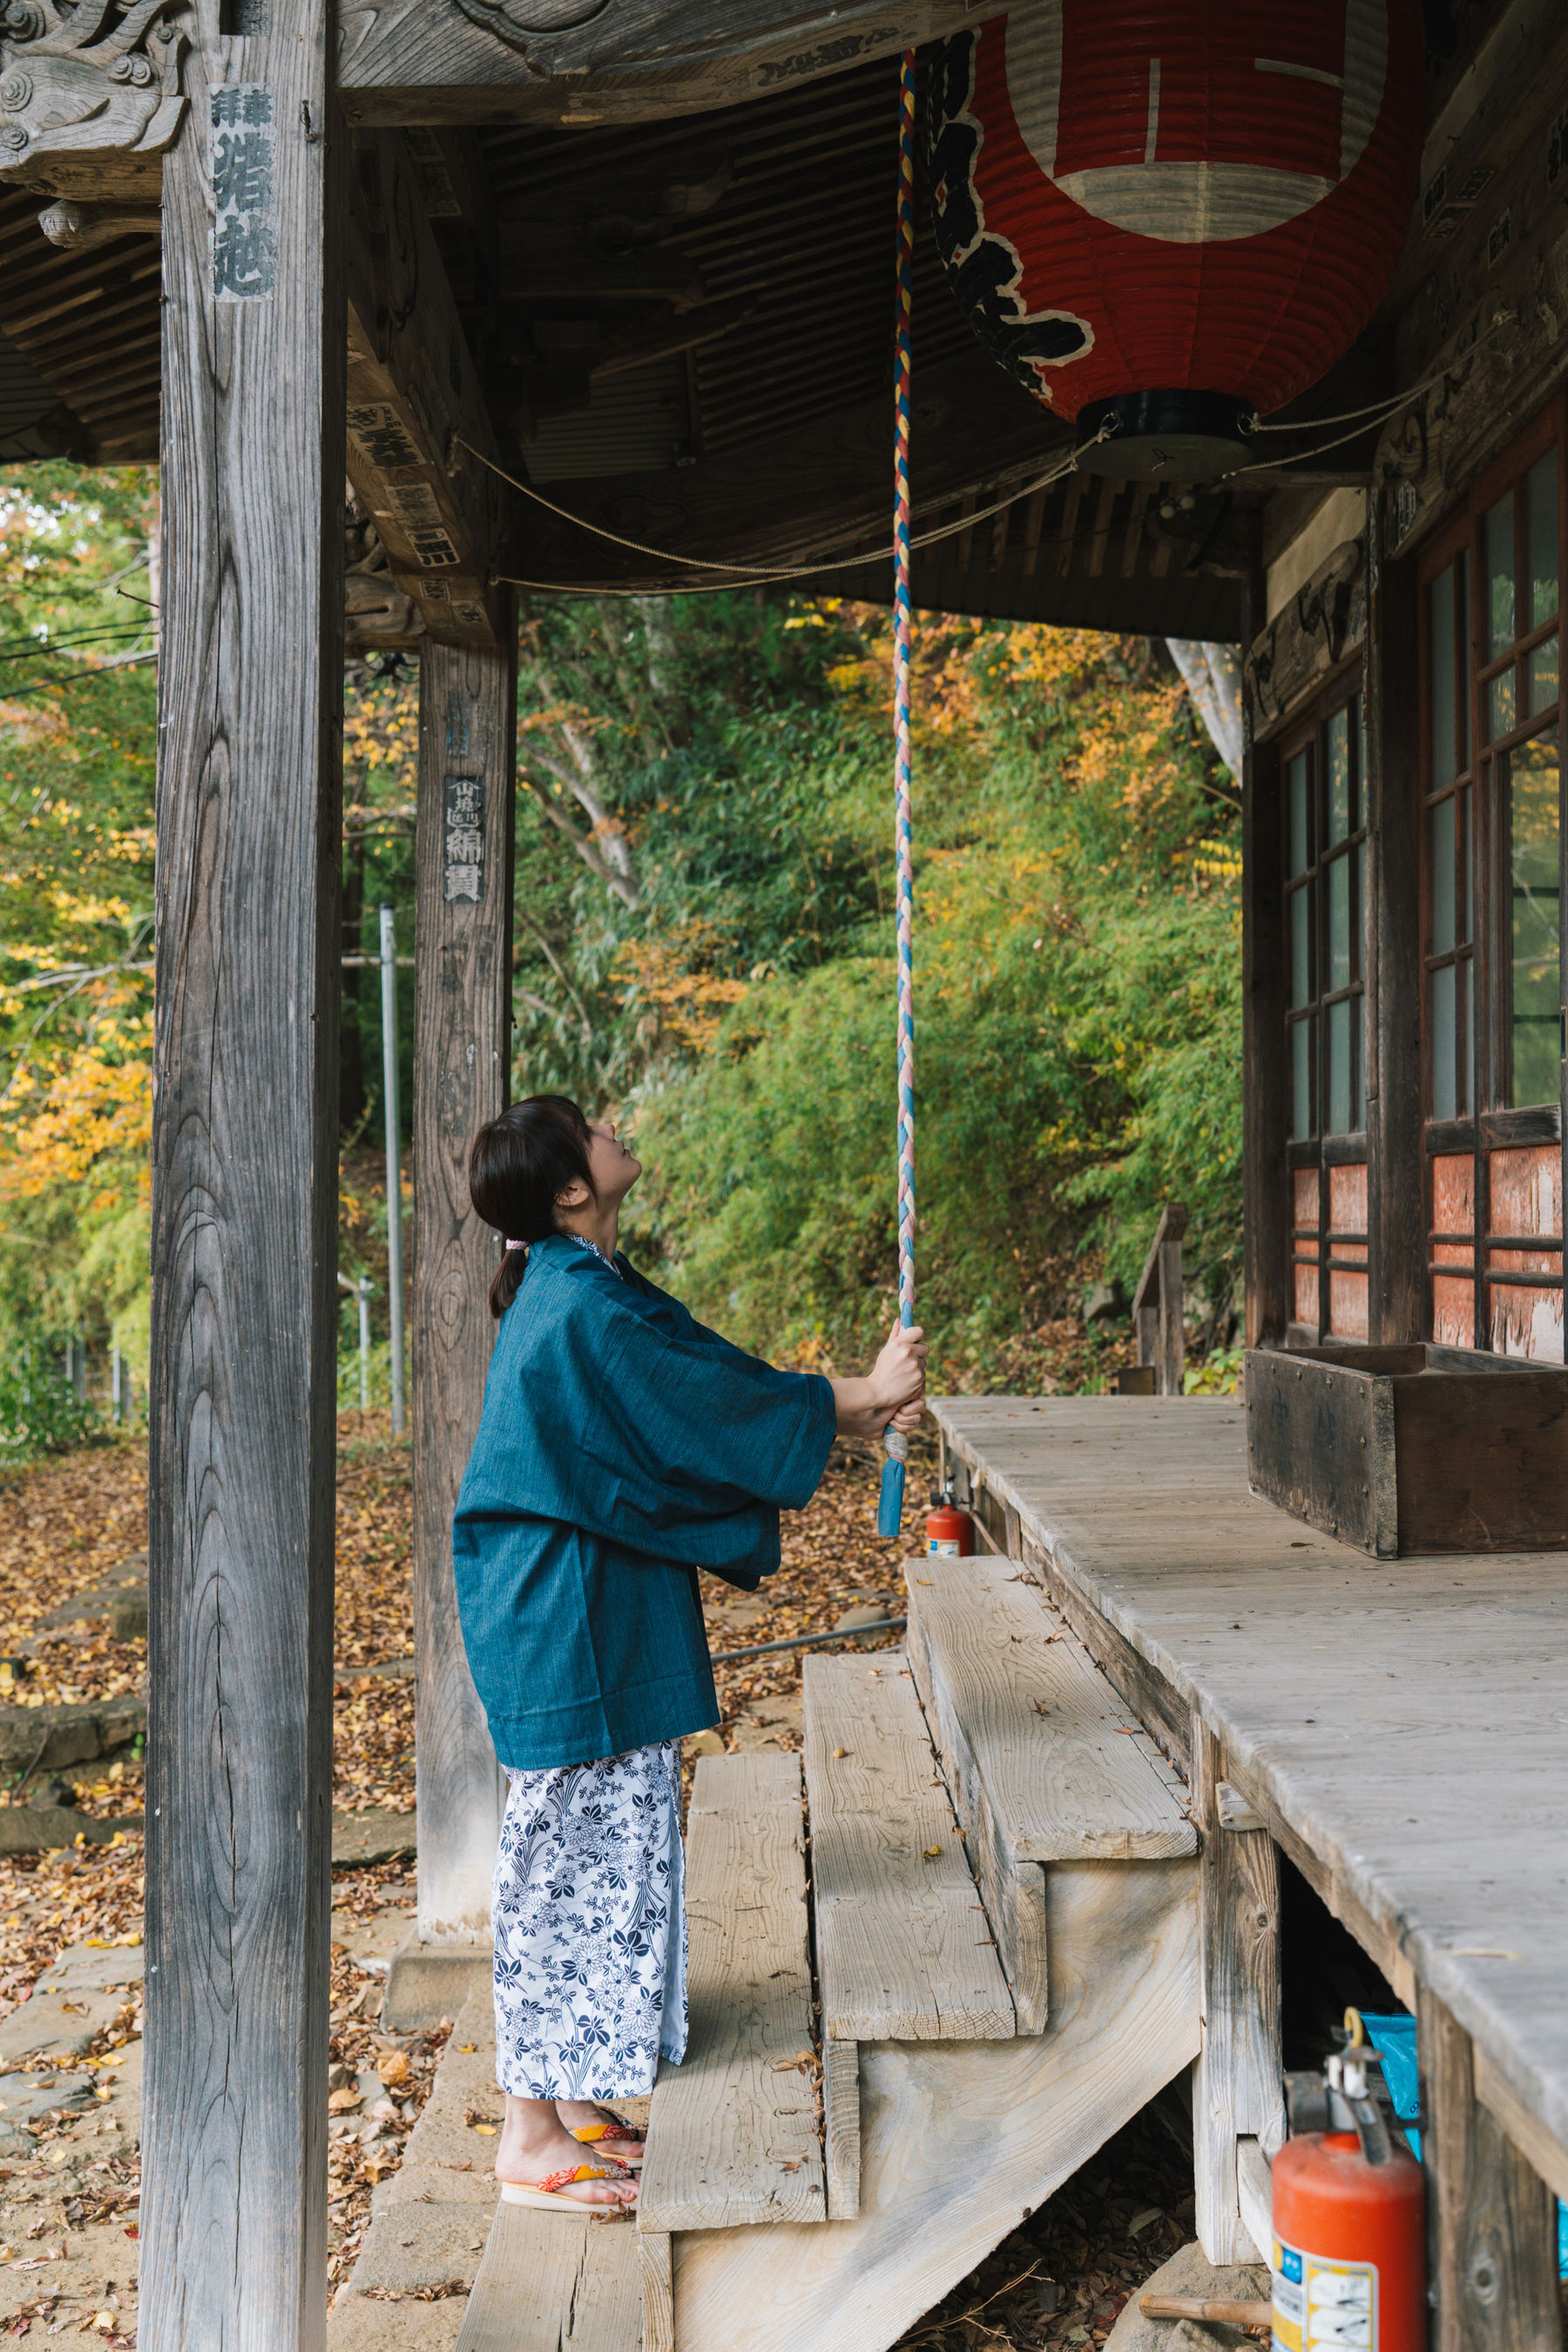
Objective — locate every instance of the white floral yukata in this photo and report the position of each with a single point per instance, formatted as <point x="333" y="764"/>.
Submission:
<point x="589" y="1905"/>
<point x="590" y="1927"/>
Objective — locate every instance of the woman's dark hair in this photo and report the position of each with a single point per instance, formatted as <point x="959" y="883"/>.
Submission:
<point x="518" y="1165"/>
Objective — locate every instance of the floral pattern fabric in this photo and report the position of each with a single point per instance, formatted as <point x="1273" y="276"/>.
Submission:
<point x="590" y="1927"/>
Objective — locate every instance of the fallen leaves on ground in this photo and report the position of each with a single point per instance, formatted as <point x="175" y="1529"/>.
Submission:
<point x="1061" y="2280"/>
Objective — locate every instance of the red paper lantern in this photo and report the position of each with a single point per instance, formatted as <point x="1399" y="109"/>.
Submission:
<point x="1168" y="215"/>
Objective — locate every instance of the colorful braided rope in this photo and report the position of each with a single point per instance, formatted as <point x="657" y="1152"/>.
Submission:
<point x="890" y="1511"/>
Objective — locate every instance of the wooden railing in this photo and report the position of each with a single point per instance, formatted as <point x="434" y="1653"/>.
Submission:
<point x="1157" y="1313"/>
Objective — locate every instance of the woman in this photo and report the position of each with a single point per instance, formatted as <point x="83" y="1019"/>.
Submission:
<point x="623" y="1446"/>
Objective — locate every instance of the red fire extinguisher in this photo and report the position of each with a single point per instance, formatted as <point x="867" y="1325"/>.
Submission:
<point x="1349" y="2250"/>
<point x="950" y="1532"/>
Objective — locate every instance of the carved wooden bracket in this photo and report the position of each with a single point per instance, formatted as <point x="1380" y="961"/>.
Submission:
<point x="89" y="95"/>
<point x="1324" y="620"/>
<point x="517" y="21"/>
<point x="1506" y="357"/>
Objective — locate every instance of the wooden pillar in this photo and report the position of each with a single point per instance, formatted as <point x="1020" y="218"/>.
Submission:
<point x="467" y="724"/>
<point x="1397" y="1227"/>
<point x="1491" y="2221"/>
<point x="1237" y="2082"/>
<point x="1265" y="1103"/>
<point x="244" y="1202"/>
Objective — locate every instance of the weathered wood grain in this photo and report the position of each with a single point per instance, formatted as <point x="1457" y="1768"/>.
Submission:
<point x="733" y="2134"/>
<point x="413" y="400"/>
<point x="1300" y="649"/>
<point x="1157" y="1303"/>
<point x="960" y="2140"/>
<point x="1396" y="1238"/>
<point x="657" y="2291"/>
<point x="1014" y="1892"/>
<point x="1492" y="2223"/>
<point x="1237" y="2083"/>
<point x="244" y="1211"/>
<point x="841" y="2127"/>
<point x="407" y="62"/>
<point x="1319" y="1443"/>
<point x="1529" y="2135"/>
<point x="1412" y="1450"/>
<point x="468" y="704"/>
<point x="552" y="2283"/>
<point x="1067" y="1775"/>
<point x="1500" y="362"/>
<point x="1254" y="2198"/>
<point x="1265" y="1115"/>
<point x="903" y="1951"/>
<point x="1341" y="1690"/>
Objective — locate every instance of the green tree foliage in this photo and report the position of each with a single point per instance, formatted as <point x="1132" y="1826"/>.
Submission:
<point x="713" y="955"/>
<point x="703" y="944"/>
<point x="77" y="738"/>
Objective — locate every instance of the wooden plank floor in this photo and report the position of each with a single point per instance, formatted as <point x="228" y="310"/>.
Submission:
<point x="732" y="2130"/>
<point x="902" y="1947"/>
<point x="1408" y="1717"/>
<point x="551" y="2282"/>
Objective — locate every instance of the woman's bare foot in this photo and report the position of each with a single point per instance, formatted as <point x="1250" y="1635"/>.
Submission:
<point x="534" y="2143"/>
<point x="580" y="2115"/>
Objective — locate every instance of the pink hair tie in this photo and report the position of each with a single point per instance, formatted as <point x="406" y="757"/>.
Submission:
<point x="517" y="1244"/>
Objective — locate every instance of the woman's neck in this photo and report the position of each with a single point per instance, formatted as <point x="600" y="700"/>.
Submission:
<point x="599" y="1225"/>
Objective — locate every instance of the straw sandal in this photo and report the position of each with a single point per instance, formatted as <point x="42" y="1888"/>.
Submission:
<point x="547" y="2193"/>
<point x="629" y="2142"/>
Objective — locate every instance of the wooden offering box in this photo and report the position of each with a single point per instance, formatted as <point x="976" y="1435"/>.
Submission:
<point x="1411" y="1449"/>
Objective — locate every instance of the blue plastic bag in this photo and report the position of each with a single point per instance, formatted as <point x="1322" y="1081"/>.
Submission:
<point x="1395" y="2038"/>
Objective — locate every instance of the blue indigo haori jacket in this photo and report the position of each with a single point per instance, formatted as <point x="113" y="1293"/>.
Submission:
<point x="623" y="1446"/>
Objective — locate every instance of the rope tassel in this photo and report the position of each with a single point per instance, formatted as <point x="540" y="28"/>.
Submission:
<point x="890" y="1511"/>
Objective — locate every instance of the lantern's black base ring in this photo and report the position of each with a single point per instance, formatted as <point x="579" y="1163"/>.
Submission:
<point x="1164" y="436"/>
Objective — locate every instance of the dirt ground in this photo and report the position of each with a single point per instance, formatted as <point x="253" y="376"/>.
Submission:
<point x="1059" y="2281"/>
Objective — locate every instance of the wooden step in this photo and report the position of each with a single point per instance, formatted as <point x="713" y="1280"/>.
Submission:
<point x="1043" y="1763"/>
<point x="904" y="1950"/>
<point x="732" y="2133"/>
<point x="962" y="2139"/>
<point x="555" y="2283"/>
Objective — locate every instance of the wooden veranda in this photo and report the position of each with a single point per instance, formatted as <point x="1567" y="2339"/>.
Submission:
<point x="635" y="253"/>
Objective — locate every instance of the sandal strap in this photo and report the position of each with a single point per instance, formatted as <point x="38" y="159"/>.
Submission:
<point x="590" y="2134"/>
<point x="555" y="2180"/>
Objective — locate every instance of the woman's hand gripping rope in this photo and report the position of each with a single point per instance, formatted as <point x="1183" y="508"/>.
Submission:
<point x="892" y="1395"/>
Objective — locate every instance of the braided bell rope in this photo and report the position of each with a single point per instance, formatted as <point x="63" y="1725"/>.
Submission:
<point x="903" y="765"/>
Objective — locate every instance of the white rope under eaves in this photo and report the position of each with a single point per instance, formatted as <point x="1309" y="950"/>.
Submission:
<point x="1380" y="409"/>
<point x="744" y="574"/>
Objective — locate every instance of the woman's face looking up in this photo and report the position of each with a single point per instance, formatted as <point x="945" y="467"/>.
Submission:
<point x="616" y="1170"/>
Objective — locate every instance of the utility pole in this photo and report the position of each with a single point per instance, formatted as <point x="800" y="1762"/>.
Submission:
<point x="394" y="1170"/>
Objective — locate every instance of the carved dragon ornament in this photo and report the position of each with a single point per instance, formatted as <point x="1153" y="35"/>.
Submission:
<point x="86" y="84"/>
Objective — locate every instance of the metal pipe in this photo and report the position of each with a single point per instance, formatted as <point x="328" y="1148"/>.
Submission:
<point x="394" y="1166"/>
<point x="804" y="1641"/>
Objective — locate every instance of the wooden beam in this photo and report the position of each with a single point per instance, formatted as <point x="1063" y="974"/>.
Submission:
<point x="1238" y="2082"/>
<point x="244" y="1203"/>
<point x="414" y="400"/>
<point x="1265" y="1100"/>
<point x="1491" y="2221"/>
<point x="467" y="707"/>
<point x="476" y="61"/>
<point x="1396" y="1221"/>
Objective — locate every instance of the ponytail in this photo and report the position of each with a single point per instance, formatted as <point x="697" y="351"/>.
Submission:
<point x="519" y="1166"/>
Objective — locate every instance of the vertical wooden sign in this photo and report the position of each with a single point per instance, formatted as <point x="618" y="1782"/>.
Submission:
<point x="467" y="721"/>
<point x="245" y="1201"/>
